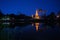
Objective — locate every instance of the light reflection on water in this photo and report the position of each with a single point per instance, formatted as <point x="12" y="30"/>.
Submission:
<point x="33" y="27"/>
<point x="30" y="29"/>
<point x="36" y="26"/>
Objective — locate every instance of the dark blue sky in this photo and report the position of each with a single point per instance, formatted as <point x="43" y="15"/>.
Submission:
<point x="28" y="7"/>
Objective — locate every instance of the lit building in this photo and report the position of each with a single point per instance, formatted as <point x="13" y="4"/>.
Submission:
<point x="36" y="15"/>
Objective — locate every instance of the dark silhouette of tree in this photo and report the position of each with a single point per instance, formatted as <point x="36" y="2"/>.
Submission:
<point x="12" y="15"/>
<point x="58" y="13"/>
<point x="1" y="14"/>
<point x="51" y="18"/>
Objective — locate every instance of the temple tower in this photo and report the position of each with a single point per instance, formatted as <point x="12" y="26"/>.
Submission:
<point x="36" y="15"/>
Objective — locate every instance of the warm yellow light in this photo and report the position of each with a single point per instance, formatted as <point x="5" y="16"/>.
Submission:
<point x="37" y="26"/>
<point x="36" y="15"/>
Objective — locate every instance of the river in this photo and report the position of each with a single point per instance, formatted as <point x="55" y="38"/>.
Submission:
<point x="34" y="31"/>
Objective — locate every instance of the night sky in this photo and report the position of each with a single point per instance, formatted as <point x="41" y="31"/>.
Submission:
<point x="28" y="7"/>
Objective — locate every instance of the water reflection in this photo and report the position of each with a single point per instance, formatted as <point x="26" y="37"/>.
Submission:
<point x="36" y="26"/>
<point x="29" y="32"/>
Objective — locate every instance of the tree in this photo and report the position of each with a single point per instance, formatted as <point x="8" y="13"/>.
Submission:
<point x="52" y="18"/>
<point x="1" y="13"/>
<point x="58" y="12"/>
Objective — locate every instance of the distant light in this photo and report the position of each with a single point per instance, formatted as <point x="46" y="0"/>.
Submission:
<point x="32" y="24"/>
<point x="5" y="18"/>
<point x="58" y="16"/>
<point x="6" y="23"/>
<point x="32" y="16"/>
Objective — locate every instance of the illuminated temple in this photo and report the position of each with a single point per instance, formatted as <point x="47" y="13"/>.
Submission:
<point x="36" y="16"/>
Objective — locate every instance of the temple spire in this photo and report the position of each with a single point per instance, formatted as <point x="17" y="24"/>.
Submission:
<point x="36" y="15"/>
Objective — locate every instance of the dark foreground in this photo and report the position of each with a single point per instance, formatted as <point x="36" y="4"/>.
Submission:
<point x="47" y="31"/>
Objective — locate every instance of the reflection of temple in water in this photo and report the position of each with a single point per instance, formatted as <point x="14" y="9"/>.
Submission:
<point x="36" y="26"/>
<point x="36" y="16"/>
